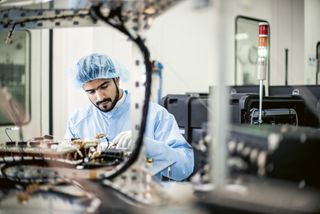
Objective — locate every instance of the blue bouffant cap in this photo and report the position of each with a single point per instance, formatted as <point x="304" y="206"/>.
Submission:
<point x="97" y="66"/>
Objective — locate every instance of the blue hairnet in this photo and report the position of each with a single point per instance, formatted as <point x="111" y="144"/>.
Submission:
<point x="98" y="66"/>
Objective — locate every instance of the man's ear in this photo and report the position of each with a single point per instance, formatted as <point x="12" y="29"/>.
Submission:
<point x="117" y="80"/>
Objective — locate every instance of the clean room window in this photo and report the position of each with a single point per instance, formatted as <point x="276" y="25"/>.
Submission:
<point x="15" y="78"/>
<point x="246" y="50"/>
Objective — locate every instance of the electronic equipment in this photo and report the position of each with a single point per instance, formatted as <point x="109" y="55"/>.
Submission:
<point x="190" y="112"/>
<point x="277" y="110"/>
<point x="238" y="89"/>
<point x="309" y="93"/>
<point x="43" y="159"/>
<point x="272" y="169"/>
<point x="275" y="116"/>
<point x="283" y="152"/>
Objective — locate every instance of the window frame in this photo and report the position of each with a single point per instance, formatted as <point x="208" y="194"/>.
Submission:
<point x="236" y="45"/>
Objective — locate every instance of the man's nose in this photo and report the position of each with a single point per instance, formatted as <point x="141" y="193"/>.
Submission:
<point x="99" y="95"/>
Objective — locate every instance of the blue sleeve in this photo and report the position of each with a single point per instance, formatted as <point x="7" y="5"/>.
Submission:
<point x="169" y="147"/>
<point x="69" y="133"/>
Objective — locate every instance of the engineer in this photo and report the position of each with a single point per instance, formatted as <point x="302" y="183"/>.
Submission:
<point x="109" y="113"/>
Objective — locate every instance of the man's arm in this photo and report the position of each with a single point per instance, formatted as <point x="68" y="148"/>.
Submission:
<point x="170" y="146"/>
<point x="68" y="134"/>
<point x="180" y="159"/>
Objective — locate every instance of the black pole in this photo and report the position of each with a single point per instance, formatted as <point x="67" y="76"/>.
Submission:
<point x="51" y="6"/>
<point x="317" y="57"/>
<point x="286" y="67"/>
<point x="51" y="82"/>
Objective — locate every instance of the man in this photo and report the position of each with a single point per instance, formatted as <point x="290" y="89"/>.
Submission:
<point x="98" y="75"/>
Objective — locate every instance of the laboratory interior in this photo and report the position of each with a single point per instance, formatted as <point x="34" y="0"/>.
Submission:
<point x="159" y="106"/>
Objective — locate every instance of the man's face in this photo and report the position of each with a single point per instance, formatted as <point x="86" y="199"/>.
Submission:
<point x="103" y="93"/>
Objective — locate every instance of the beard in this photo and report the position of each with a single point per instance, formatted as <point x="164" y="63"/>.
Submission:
<point x="106" y="101"/>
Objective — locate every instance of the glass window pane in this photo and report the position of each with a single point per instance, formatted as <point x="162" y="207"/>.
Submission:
<point x="15" y="78"/>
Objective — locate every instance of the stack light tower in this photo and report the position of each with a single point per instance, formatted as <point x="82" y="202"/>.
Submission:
<point x="262" y="63"/>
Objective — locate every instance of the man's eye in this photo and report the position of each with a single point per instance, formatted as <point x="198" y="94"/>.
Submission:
<point x="91" y="92"/>
<point x="104" y="86"/>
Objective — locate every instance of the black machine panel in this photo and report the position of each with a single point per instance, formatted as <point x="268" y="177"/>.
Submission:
<point x="236" y="89"/>
<point x="191" y="111"/>
<point x="275" y="108"/>
<point x="310" y="94"/>
<point x="283" y="152"/>
<point x="302" y="90"/>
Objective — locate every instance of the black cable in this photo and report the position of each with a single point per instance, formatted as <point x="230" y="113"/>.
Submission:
<point x="51" y="18"/>
<point x="286" y="66"/>
<point x="8" y="39"/>
<point x="27" y="20"/>
<point x="116" y="13"/>
<point x="6" y="131"/>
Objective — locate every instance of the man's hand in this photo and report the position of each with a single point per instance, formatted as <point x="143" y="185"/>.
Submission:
<point x="103" y="146"/>
<point x="122" y="140"/>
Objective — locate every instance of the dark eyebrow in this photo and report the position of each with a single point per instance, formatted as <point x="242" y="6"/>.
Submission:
<point x="104" y="83"/>
<point x="93" y="89"/>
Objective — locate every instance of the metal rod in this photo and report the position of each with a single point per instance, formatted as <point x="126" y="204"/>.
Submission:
<point x="260" y="100"/>
<point x="317" y="57"/>
<point x="286" y="66"/>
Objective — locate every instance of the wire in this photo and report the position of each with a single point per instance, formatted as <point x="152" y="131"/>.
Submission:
<point x="118" y="24"/>
<point x="9" y="39"/>
<point x="80" y="13"/>
<point x="6" y="131"/>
